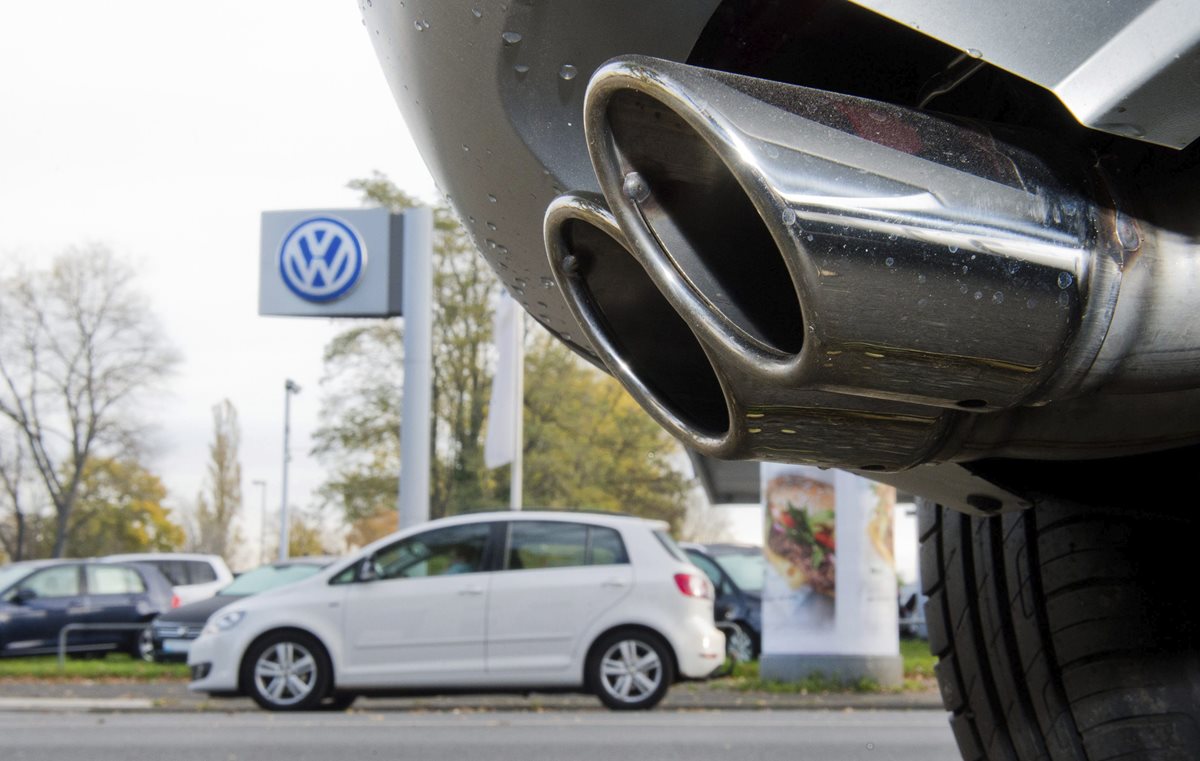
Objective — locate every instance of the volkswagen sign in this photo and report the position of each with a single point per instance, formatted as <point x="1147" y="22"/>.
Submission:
<point x="331" y="263"/>
<point x="321" y="259"/>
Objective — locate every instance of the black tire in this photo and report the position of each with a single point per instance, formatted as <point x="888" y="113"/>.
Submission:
<point x="142" y="647"/>
<point x="741" y="646"/>
<point x="272" y="660"/>
<point x="1064" y="632"/>
<point x="630" y="646"/>
<point x="339" y="701"/>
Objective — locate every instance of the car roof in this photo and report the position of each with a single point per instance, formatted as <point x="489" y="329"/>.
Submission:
<point x="138" y="556"/>
<point x="586" y="517"/>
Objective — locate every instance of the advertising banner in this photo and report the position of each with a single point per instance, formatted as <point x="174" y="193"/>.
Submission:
<point x="831" y="578"/>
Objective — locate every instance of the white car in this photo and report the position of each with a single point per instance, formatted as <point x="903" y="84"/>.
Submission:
<point x="606" y="604"/>
<point x="193" y="577"/>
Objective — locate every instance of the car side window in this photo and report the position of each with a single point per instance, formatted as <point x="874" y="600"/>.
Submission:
<point x="710" y="570"/>
<point x="605" y="546"/>
<point x="546" y="544"/>
<point x="559" y="544"/>
<point x="59" y="581"/>
<point x="173" y="570"/>
<point x="199" y="572"/>
<point x="442" y="552"/>
<point x="113" y="580"/>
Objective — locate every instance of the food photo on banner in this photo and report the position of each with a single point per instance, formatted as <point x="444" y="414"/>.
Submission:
<point x="831" y="569"/>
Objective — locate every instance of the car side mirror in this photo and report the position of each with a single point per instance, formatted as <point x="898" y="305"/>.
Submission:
<point x="366" y="569"/>
<point x="24" y="595"/>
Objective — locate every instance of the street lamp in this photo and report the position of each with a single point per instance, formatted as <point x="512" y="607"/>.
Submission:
<point x="289" y="388"/>
<point x="262" y="528"/>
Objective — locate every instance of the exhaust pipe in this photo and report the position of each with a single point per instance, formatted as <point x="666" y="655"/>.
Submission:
<point x="791" y="274"/>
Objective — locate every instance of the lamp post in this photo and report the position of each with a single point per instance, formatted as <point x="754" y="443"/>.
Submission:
<point x="289" y="388"/>
<point x="262" y="527"/>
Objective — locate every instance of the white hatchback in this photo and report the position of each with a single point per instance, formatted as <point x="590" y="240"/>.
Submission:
<point x="487" y="602"/>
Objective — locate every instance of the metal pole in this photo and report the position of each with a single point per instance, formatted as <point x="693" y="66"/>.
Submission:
<point x="417" y="410"/>
<point x="516" y="487"/>
<point x="262" y="527"/>
<point x="289" y="388"/>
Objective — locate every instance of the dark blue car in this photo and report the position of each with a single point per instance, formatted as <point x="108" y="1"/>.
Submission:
<point x="737" y="573"/>
<point x="38" y="598"/>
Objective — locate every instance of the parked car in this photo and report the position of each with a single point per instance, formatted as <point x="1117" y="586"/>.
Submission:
<point x="39" y="598"/>
<point x="194" y="577"/>
<point x="737" y="572"/>
<point x="606" y="604"/>
<point x="174" y="631"/>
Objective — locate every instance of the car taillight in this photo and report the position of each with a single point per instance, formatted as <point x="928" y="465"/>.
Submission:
<point x="693" y="586"/>
<point x="175" y="601"/>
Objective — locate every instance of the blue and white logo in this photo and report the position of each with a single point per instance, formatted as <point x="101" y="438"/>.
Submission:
<point x="321" y="259"/>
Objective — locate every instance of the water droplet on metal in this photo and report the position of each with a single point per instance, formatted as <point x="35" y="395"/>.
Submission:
<point x="1064" y="298"/>
<point x="891" y="236"/>
<point x="808" y="238"/>
<point x="519" y="282"/>
<point x="788" y="216"/>
<point x="997" y="298"/>
<point x="922" y="302"/>
<point x="962" y="287"/>
<point x="420" y="25"/>
<point x="974" y="53"/>
<point x="521" y="68"/>
<point x="477" y="13"/>
<point x="921" y="277"/>
<point x="466" y="148"/>
<point x="547" y="282"/>
<point x="567" y="72"/>
<point x="1065" y="279"/>
<point x="511" y="38"/>
<point x="570" y="264"/>
<point x="953" y="249"/>
<point x="490" y="243"/>
<point x="491" y="198"/>
<point x="890" y="261"/>
<point x="635" y="187"/>
<point x="965" y="269"/>
<point x="978" y="295"/>
<point x="491" y="226"/>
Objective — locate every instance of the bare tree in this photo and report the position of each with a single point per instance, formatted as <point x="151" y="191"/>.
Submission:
<point x="78" y="345"/>
<point x="14" y="471"/>
<point x="220" y="501"/>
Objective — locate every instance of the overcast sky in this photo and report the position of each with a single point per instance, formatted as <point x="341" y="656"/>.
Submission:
<point x="162" y="130"/>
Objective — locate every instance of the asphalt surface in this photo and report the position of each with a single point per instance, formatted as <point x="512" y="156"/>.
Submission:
<point x="169" y="695"/>
<point x="915" y="735"/>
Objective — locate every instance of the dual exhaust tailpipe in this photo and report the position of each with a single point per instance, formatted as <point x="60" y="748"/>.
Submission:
<point x="781" y="273"/>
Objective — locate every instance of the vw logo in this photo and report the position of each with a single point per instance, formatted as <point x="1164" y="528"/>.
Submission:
<point x="321" y="259"/>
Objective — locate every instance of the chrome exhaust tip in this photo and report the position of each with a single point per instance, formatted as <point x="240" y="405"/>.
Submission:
<point x="643" y="341"/>
<point x="784" y="222"/>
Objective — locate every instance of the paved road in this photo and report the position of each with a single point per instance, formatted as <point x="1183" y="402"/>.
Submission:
<point x="489" y="736"/>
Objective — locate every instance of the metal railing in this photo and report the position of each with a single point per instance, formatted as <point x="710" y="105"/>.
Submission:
<point x="66" y="630"/>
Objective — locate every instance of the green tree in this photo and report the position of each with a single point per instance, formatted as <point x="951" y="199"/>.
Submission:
<point x="587" y="443"/>
<point x="120" y="510"/>
<point x="79" y="349"/>
<point x="218" y="504"/>
<point x="360" y="433"/>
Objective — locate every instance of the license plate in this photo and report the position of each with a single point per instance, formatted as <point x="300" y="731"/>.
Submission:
<point x="176" y="645"/>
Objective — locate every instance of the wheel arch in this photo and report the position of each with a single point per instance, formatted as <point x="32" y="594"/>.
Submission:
<point x="593" y="648"/>
<point x="243" y="687"/>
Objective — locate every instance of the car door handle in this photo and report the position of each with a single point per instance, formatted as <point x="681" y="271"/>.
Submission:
<point x="614" y="583"/>
<point x="471" y="591"/>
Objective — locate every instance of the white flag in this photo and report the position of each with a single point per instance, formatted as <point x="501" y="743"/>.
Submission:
<point x="498" y="448"/>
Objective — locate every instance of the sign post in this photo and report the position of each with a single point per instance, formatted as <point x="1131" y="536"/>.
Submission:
<point x="362" y="263"/>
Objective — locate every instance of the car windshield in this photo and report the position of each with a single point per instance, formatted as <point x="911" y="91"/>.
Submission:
<point x="747" y="569"/>
<point x="10" y="573"/>
<point x="268" y="577"/>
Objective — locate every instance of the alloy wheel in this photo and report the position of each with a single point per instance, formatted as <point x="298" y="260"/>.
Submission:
<point x="286" y="673"/>
<point x="630" y="671"/>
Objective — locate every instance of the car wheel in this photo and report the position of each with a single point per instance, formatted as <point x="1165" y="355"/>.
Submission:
<point x="287" y="671"/>
<point x="739" y="643"/>
<point x="1064" y="632"/>
<point x="143" y="646"/>
<point x="630" y="670"/>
